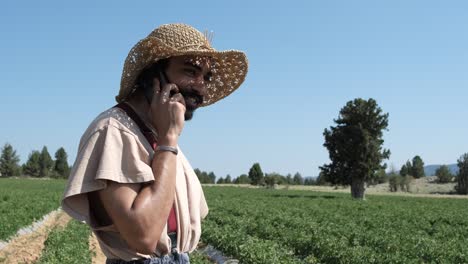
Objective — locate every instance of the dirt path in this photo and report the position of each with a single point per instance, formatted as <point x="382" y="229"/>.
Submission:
<point x="27" y="248"/>
<point x="97" y="257"/>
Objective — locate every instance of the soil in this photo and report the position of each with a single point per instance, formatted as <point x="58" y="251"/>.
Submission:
<point x="98" y="257"/>
<point x="16" y="251"/>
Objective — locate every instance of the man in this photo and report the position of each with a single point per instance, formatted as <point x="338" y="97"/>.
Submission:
<point x="130" y="181"/>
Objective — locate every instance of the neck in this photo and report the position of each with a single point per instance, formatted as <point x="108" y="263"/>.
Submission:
<point x="141" y="107"/>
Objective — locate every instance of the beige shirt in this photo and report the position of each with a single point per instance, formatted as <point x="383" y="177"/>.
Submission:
<point x="114" y="149"/>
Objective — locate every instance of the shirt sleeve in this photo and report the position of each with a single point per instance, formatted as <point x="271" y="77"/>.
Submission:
<point x="203" y="206"/>
<point x="110" y="153"/>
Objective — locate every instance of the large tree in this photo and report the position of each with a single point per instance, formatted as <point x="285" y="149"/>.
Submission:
<point x="45" y="162"/>
<point x="321" y="179"/>
<point x="462" y="178"/>
<point x="256" y="175"/>
<point x="417" y="171"/>
<point x="355" y="145"/>
<point x="61" y="163"/>
<point x="9" y="162"/>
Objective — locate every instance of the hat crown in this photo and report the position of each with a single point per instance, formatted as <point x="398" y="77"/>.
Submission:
<point x="181" y="37"/>
<point x="228" y="68"/>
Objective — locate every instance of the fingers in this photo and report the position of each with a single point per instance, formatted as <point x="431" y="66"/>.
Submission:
<point x="178" y="98"/>
<point x="166" y="92"/>
<point x="156" y="91"/>
<point x="167" y="109"/>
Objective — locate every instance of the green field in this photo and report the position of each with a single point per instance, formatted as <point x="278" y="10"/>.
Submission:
<point x="23" y="201"/>
<point x="279" y="226"/>
<point x="68" y="245"/>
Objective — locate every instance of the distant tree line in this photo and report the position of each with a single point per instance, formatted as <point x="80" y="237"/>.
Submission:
<point x="205" y="177"/>
<point x="414" y="168"/>
<point x="401" y="181"/>
<point x="462" y="177"/>
<point x="257" y="177"/>
<point x="444" y="175"/>
<point x="39" y="164"/>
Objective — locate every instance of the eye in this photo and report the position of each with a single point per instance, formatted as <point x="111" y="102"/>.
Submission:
<point x="208" y="77"/>
<point x="190" y="72"/>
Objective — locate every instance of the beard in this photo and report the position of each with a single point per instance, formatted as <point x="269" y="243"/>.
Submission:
<point x="192" y="102"/>
<point x="188" y="114"/>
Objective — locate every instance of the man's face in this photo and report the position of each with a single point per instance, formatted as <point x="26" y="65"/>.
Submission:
<point x="191" y="74"/>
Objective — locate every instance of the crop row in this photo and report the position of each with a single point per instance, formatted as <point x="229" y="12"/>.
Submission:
<point x="67" y="245"/>
<point x="273" y="226"/>
<point x="24" y="201"/>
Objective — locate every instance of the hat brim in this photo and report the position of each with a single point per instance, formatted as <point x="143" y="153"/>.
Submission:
<point x="228" y="70"/>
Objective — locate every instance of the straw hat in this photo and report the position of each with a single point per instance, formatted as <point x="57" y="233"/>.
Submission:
<point x="229" y="68"/>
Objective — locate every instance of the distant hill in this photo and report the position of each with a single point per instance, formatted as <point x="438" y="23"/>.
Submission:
<point x="430" y="170"/>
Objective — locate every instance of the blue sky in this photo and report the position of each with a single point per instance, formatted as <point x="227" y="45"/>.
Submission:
<point x="61" y="63"/>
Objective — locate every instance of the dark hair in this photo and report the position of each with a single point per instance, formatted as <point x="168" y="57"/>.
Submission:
<point x="148" y="74"/>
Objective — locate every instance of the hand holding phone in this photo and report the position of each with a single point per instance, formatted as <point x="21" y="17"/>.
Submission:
<point x="167" y="104"/>
<point x="148" y="83"/>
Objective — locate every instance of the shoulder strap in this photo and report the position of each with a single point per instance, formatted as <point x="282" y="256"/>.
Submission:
<point x="143" y="127"/>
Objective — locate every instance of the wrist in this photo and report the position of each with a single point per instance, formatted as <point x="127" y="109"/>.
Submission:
<point x="168" y="140"/>
<point x="161" y="148"/>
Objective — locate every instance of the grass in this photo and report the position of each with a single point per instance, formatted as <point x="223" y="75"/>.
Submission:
<point x="69" y="245"/>
<point x="24" y="201"/>
<point x="257" y="225"/>
<point x="286" y="226"/>
<point x="198" y="258"/>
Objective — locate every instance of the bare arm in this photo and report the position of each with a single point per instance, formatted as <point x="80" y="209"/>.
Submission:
<point x="140" y="212"/>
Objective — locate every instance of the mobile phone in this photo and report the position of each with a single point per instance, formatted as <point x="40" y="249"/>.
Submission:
<point x="163" y="81"/>
<point x="147" y="84"/>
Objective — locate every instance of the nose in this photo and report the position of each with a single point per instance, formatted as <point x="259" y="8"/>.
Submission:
<point x="199" y="86"/>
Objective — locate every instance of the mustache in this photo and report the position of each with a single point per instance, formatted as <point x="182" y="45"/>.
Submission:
<point x="189" y="93"/>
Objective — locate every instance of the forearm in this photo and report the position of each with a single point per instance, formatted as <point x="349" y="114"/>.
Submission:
<point x="142" y="221"/>
<point x="152" y="205"/>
